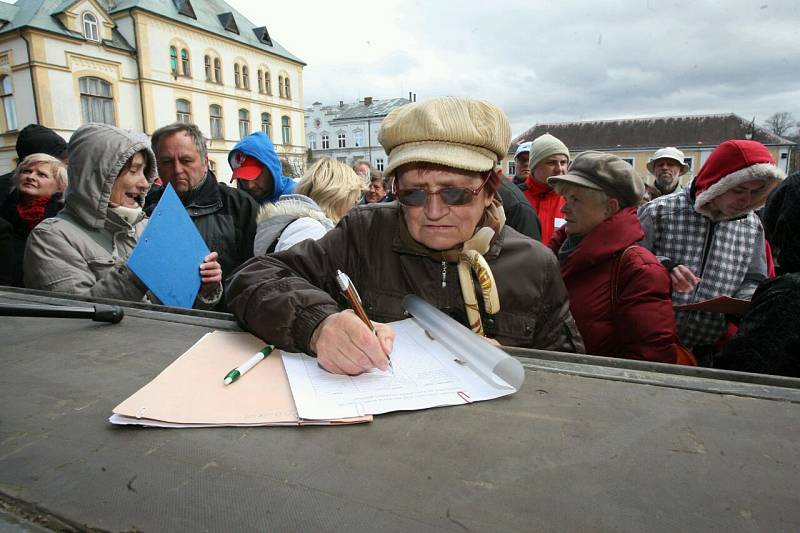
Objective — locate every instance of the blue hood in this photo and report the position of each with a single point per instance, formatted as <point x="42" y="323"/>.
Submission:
<point x="259" y="146"/>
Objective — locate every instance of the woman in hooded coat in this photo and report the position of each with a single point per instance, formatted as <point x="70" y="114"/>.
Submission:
<point x="85" y="248"/>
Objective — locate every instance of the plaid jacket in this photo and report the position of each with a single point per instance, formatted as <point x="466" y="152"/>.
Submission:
<point x="729" y="257"/>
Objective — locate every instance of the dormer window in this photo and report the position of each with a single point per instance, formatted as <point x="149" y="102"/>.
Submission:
<point x="228" y="22"/>
<point x="185" y="8"/>
<point x="90" y="29"/>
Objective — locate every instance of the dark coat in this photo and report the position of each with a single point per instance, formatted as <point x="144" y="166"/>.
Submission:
<point x="642" y="324"/>
<point x="20" y="230"/>
<point x="520" y="214"/>
<point x="284" y="296"/>
<point x="224" y="216"/>
<point x="768" y="340"/>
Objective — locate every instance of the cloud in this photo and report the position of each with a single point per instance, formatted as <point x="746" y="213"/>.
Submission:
<point x="555" y="61"/>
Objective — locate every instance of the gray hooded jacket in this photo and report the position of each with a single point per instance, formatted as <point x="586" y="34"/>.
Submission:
<point x="84" y="249"/>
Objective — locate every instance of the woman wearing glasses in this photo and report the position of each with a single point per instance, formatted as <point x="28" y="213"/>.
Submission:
<point x="443" y="240"/>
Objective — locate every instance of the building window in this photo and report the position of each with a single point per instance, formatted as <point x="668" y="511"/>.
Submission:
<point x="326" y="142"/>
<point x="312" y="141"/>
<point x="184" y="111"/>
<point x="244" y="123"/>
<point x="628" y="160"/>
<point x="359" y="138"/>
<point x="286" y="130"/>
<point x="97" y="101"/>
<point x="9" y="107"/>
<point x="237" y="75"/>
<point x="342" y="140"/>
<point x="512" y="168"/>
<point x="267" y="83"/>
<point x="207" y="63"/>
<point x="266" y="124"/>
<point x="260" y="81"/>
<point x="689" y="161"/>
<point x="246" y="77"/>
<point x="287" y="89"/>
<point x="185" y="67"/>
<point x="280" y="86"/>
<point x="215" y="112"/>
<point x="379" y="164"/>
<point x="173" y="60"/>
<point x="90" y="30"/>
<point x="217" y="70"/>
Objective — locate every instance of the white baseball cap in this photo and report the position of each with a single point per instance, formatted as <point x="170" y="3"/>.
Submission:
<point x="522" y="148"/>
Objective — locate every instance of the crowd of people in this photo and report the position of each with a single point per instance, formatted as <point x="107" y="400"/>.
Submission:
<point x="569" y="254"/>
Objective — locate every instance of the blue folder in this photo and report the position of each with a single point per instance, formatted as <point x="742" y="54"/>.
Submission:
<point x="168" y="255"/>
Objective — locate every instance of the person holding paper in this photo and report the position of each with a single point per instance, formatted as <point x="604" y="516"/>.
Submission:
<point x="709" y="238"/>
<point x="83" y="250"/>
<point x="444" y="240"/>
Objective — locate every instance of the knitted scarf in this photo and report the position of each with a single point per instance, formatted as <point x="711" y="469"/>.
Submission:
<point x="31" y="210"/>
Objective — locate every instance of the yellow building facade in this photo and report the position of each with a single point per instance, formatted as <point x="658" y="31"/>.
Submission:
<point x="142" y="64"/>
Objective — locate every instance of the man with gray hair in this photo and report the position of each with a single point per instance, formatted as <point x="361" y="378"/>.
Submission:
<point x="224" y="216"/>
<point x="667" y="166"/>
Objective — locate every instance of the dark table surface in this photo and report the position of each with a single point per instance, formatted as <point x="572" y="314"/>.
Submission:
<point x="572" y="451"/>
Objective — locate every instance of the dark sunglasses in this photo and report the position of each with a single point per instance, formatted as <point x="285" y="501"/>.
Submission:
<point x="449" y="195"/>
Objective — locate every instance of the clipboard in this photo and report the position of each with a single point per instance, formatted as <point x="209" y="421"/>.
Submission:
<point x="721" y="304"/>
<point x="168" y="255"/>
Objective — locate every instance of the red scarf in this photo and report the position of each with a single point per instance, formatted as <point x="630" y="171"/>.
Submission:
<point x="31" y="210"/>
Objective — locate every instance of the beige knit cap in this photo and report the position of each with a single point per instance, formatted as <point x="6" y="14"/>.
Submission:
<point x="544" y="146"/>
<point x="456" y="132"/>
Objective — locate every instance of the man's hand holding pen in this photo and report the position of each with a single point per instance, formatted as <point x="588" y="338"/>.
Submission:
<point x="344" y="344"/>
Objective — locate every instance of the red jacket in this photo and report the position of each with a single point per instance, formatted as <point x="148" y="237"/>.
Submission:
<point x="547" y="203"/>
<point x="643" y="323"/>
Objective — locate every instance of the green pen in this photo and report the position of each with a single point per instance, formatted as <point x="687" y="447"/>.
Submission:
<point x="239" y="371"/>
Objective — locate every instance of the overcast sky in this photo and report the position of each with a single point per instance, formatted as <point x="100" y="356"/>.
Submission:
<point x="549" y="61"/>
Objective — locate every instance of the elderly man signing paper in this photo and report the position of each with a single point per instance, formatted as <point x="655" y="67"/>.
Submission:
<point x="442" y="240"/>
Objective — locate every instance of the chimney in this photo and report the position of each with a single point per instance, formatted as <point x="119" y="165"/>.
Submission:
<point x="409" y="96"/>
<point x="341" y="103"/>
<point x="367" y="100"/>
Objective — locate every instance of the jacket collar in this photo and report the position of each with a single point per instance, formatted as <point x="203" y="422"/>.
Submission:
<point x="206" y="198"/>
<point x="614" y="234"/>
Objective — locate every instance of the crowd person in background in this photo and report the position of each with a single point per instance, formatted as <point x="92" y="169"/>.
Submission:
<point x="257" y="169"/>
<point x="520" y="214"/>
<point x="6" y="253"/>
<point x="548" y="157"/>
<point x="445" y="223"/>
<point x="38" y="193"/>
<point x="768" y="339"/>
<point x="377" y="190"/>
<point x="709" y="238"/>
<point x="667" y="166"/>
<point x="85" y="248"/>
<point x="619" y="293"/>
<point x="224" y="216"/>
<point x="34" y="139"/>
<point x="327" y="191"/>
<point x="363" y="168"/>
<point x="521" y="169"/>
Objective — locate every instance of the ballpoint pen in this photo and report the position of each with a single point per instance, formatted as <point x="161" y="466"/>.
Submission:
<point x="240" y="370"/>
<point x="350" y="292"/>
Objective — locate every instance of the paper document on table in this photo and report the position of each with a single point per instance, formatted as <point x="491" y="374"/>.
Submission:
<point x="425" y="374"/>
<point x="190" y="392"/>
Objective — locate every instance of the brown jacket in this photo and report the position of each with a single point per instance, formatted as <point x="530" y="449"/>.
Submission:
<point x="282" y="297"/>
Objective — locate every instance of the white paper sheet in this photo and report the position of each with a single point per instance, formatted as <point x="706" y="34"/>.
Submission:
<point x="425" y="374"/>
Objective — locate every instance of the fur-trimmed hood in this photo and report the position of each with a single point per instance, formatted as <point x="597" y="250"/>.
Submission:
<point x="293" y="205"/>
<point x="729" y="165"/>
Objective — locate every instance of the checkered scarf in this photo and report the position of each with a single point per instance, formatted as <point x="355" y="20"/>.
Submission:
<point x="680" y="234"/>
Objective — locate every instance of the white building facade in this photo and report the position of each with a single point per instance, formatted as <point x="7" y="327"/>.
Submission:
<point x="349" y="132"/>
<point x="142" y="64"/>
